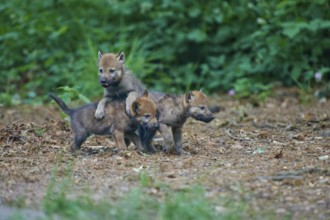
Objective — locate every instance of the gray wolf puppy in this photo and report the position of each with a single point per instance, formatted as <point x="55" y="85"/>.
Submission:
<point x="121" y="120"/>
<point x="173" y="113"/>
<point x="115" y="79"/>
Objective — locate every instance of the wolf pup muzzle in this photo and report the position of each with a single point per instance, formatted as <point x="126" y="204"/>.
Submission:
<point x="203" y="118"/>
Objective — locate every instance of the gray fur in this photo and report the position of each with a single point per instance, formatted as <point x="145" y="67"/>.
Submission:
<point x="173" y="113"/>
<point x="116" y="123"/>
<point x="128" y="83"/>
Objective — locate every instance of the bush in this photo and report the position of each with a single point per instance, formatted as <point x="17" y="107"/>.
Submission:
<point x="170" y="45"/>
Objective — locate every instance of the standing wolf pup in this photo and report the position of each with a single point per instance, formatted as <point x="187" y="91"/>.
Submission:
<point x="118" y="122"/>
<point x="173" y="113"/>
<point x="115" y="79"/>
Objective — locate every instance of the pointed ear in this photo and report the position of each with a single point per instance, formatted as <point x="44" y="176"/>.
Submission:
<point x="189" y="96"/>
<point x="135" y="107"/>
<point x="99" y="55"/>
<point x="121" y="57"/>
<point x="145" y="93"/>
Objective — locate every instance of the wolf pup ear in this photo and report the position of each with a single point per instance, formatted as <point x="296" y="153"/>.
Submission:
<point x="145" y="93"/>
<point x="121" y="57"/>
<point x="189" y="96"/>
<point x="135" y="107"/>
<point x="99" y="55"/>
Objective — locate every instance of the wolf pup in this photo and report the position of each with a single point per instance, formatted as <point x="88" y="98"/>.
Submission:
<point x="117" y="122"/>
<point x="173" y="113"/>
<point x="115" y="79"/>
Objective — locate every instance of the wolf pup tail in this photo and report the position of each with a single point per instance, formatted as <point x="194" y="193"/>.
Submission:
<point x="62" y="105"/>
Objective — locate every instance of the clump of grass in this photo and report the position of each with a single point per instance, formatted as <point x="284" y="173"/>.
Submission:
<point x="190" y="203"/>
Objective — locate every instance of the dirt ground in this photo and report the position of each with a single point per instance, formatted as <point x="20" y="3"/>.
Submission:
<point x="274" y="157"/>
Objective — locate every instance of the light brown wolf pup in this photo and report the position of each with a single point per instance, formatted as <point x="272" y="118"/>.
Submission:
<point x="118" y="122"/>
<point x="116" y="80"/>
<point x="173" y="113"/>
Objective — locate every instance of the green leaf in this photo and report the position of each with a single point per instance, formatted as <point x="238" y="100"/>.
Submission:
<point x="197" y="35"/>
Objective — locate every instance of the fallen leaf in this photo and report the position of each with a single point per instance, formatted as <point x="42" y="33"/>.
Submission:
<point x="138" y="170"/>
<point x="264" y="135"/>
<point x="299" y="137"/>
<point x="279" y="155"/>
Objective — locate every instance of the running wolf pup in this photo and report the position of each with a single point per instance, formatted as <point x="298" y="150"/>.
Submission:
<point x="121" y="120"/>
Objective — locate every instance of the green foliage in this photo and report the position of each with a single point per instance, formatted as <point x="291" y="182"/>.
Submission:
<point x="187" y="205"/>
<point x="170" y="45"/>
<point x="70" y="93"/>
<point x="64" y="202"/>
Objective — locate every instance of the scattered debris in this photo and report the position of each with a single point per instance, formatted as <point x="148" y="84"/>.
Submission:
<point x="224" y="157"/>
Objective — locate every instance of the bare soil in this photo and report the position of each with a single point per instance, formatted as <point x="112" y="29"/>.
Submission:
<point x="274" y="157"/>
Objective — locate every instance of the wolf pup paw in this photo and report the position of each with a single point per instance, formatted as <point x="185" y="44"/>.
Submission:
<point x="99" y="114"/>
<point x="166" y="149"/>
<point x="182" y="153"/>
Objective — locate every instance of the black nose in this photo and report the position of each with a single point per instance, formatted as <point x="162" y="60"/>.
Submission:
<point x="102" y="81"/>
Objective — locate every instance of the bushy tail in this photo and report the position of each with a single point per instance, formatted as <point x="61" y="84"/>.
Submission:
<point x="62" y="105"/>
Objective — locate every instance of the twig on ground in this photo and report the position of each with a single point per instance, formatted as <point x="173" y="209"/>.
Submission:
<point x="236" y="138"/>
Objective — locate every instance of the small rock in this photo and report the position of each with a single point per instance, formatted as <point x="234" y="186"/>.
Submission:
<point x="323" y="100"/>
<point x="236" y="146"/>
<point x="290" y="127"/>
<point x="116" y="157"/>
<point x="171" y="175"/>
<point x="324" y="117"/>
<point x="324" y="157"/>
<point x="228" y="165"/>
<point x="325" y="134"/>
<point x="308" y="117"/>
<point x="299" y="137"/>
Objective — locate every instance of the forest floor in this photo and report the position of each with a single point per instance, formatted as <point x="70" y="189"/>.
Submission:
<point x="274" y="157"/>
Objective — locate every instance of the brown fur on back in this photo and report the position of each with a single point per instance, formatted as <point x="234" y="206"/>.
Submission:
<point x="171" y="110"/>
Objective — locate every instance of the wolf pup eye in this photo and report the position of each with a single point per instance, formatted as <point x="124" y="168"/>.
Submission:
<point x="147" y="116"/>
<point x="101" y="70"/>
<point x="202" y="108"/>
<point x="112" y="72"/>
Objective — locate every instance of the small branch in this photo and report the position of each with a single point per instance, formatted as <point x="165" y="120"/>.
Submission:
<point x="236" y="138"/>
